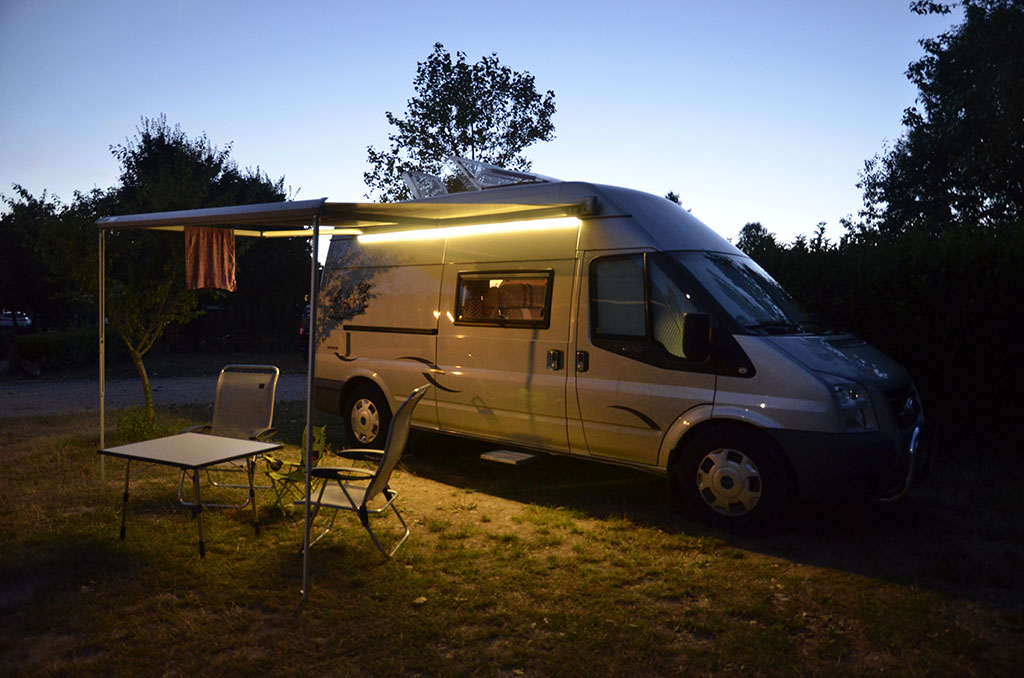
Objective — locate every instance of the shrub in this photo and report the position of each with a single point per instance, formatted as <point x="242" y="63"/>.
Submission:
<point x="60" y="348"/>
<point x="947" y="308"/>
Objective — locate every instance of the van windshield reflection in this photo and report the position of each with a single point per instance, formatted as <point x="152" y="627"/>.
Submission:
<point x="748" y="294"/>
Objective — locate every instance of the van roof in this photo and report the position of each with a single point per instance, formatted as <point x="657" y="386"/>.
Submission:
<point x="616" y="217"/>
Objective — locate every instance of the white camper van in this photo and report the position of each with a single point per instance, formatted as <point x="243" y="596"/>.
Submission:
<point x="631" y="334"/>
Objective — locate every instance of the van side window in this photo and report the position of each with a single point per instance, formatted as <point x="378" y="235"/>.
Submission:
<point x="634" y="299"/>
<point x="617" y="296"/>
<point x="513" y="299"/>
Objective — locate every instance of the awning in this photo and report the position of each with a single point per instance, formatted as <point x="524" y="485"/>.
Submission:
<point x="295" y="218"/>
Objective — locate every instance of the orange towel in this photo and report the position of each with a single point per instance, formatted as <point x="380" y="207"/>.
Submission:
<point x="209" y="258"/>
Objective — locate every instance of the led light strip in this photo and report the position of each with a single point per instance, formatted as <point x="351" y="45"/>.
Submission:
<point x="479" y="229"/>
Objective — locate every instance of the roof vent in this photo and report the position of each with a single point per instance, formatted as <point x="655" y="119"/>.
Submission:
<point x="423" y="185"/>
<point x="478" y="175"/>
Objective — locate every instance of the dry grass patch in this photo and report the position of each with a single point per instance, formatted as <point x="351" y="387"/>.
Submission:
<point x="562" y="568"/>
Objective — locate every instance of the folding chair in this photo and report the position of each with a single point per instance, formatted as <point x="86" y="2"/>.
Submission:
<point x="243" y="408"/>
<point x="355" y="489"/>
<point x="288" y="478"/>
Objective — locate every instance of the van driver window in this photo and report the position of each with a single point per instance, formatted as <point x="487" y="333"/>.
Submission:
<point x="504" y="299"/>
<point x="668" y="304"/>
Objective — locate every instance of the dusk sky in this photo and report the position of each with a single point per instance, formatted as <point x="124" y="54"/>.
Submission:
<point x="751" y="111"/>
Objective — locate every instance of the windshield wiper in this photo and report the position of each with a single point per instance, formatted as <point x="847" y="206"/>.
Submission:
<point x="775" y="327"/>
<point x="784" y="327"/>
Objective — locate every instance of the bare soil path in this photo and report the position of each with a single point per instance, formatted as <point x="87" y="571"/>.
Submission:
<point x="23" y="398"/>
<point x="174" y="379"/>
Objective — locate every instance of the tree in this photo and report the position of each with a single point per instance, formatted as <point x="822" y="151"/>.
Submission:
<point x="960" y="160"/>
<point x="484" y="111"/>
<point x="162" y="169"/>
<point x="757" y="241"/>
<point x="24" y="281"/>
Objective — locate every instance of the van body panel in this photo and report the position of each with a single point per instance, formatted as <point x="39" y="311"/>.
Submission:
<point x="844" y="356"/>
<point x="495" y="380"/>
<point x="557" y="243"/>
<point x="679" y="428"/>
<point x="780" y="395"/>
<point x="378" y="319"/>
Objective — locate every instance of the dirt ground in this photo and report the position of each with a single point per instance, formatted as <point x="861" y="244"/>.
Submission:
<point x="28" y="397"/>
<point x="175" y="379"/>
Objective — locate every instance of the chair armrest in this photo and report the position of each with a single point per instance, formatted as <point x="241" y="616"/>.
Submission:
<point x="263" y="435"/>
<point x="201" y="428"/>
<point x="275" y="464"/>
<point x="341" y="473"/>
<point x="360" y="455"/>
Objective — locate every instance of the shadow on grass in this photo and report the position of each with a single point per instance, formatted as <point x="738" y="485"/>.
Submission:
<point x="952" y="535"/>
<point x="960" y="533"/>
<point x="64" y="566"/>
<point x="599" y="490"/>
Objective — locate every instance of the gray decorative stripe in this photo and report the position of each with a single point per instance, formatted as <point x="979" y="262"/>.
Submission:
<point x="428" y="363"/>
<point x="344" y="358"/>
<point x="653" y="425"/>
<point x="390" y="330"/>
<point x="428" y="377"/>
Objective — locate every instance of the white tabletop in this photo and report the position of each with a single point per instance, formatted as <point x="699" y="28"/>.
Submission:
<point x="191" y="450"/>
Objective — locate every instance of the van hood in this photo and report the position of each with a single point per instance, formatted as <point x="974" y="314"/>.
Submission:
<point x="845" y="356"/>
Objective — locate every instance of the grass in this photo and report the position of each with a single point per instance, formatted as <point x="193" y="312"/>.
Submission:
<point x="558" y="568"/>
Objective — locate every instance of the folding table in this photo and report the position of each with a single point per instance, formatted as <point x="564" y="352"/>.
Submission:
<point x="192" y="452"/>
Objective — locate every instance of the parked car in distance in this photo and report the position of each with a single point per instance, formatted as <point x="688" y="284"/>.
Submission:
<point x="15" y="319"/>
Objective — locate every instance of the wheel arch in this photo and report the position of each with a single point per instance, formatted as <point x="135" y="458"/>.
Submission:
<point x="725" y="424"/>
<point x="357" y="380"/>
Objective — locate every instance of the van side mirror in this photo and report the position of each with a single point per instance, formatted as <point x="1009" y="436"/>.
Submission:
<point x="696" y="336"/>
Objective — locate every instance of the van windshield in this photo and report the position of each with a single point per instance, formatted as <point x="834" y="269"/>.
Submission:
<point x="747" y="293"/>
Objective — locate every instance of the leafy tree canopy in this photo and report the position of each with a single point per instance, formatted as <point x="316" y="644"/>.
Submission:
<point x="161" y="169"/>
<point x="960" y="160"/>
<point x="483" y="111"/>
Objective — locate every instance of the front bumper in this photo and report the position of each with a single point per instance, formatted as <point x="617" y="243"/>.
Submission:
<point x="839" y="466"/>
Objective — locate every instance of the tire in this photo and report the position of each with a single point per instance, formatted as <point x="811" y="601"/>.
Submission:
<point x="734" y="478"/>
<point x="367" y="417"/>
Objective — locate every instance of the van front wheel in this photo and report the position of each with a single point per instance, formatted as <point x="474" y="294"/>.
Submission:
<point x="367" y="417"/>
<point x="734" y="478"/>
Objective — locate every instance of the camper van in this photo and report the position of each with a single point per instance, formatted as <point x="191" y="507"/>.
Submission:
<point x="629" y="333"/>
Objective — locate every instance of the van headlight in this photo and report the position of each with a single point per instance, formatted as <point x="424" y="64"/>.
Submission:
<point x="853" y="402"/>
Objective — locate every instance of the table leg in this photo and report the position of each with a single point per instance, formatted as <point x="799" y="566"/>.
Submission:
<point x="197" y="511"/>
<point x="124" y="502"/>
<point x="251" y="467"/>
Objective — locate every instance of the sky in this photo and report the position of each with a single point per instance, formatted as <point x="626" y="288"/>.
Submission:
<point x="749" y="110"/>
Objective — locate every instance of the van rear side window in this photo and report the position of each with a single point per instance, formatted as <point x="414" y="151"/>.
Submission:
<point x="504" y="299"/>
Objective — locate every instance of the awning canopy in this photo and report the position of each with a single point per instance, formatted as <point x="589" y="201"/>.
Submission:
<point x="295" y="218"/>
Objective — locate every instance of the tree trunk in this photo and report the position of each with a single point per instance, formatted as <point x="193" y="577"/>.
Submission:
<point x="146" y="391"/>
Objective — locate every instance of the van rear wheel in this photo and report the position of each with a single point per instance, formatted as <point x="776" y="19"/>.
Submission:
<point x="367" y="417"/>
<point x="734" y="478"/>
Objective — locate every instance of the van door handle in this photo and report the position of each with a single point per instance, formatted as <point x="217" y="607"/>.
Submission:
<point x="555" y="359"/>
<point x="582" y="361"/>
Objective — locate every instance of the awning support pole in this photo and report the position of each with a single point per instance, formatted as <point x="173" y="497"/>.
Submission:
<point x="314" y="283"/>
<point x="102" y="350"/>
